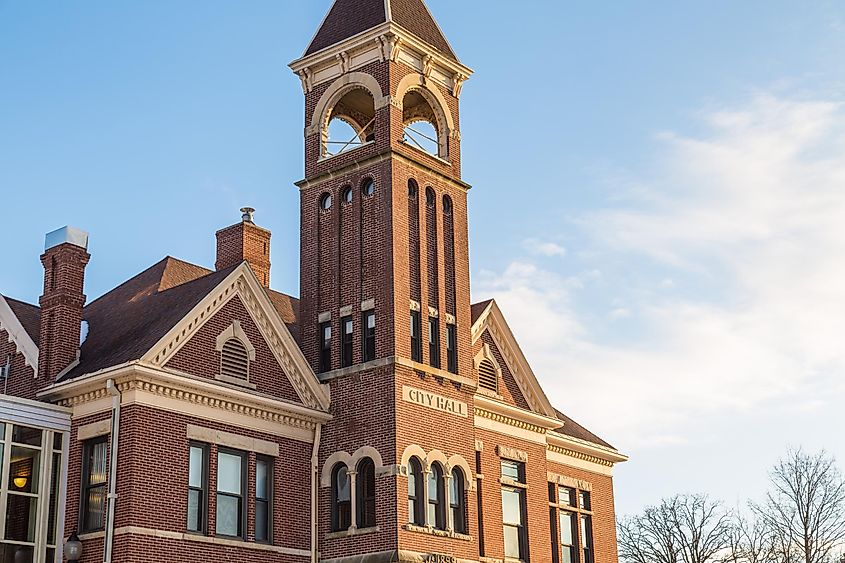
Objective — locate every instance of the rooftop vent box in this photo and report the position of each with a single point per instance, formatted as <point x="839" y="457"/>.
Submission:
<point x="71" y="235"/>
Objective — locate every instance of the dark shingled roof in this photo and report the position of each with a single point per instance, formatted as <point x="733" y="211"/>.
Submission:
<point x="478" y="308"/>
<point x="572" y="428"/>
<point x="128" y="320"/>
<point x="348" y="18"/>
<point x="28" y="315"/>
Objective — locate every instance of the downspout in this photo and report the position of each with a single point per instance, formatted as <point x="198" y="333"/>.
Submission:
<point x="315" y="489"/>
<point x="112" y="496"/>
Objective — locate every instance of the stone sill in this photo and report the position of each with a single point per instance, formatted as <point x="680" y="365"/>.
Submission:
<point x="326" y="158"/>
<point x="351" y="532"/>
<point x="428" y="530"/>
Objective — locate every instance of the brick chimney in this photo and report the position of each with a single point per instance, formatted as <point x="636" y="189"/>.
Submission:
<point x="245" y="241"/>
<point x="64" y="259"/>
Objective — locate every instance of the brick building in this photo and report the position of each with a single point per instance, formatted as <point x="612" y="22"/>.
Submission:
<point x="198" y="415"/>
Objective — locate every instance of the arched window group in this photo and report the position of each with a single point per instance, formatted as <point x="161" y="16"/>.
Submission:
<point x="438" y="499"/>
<point x="353" y="492"/>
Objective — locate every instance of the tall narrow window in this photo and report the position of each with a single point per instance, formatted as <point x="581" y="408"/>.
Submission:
<point x="434" y="342"/>
<point x="347" y="333"/>
<point x="94" y="485"/>
<point x="514" y="510"/>
<point x="568" y="537"/>
<point x="587" y="538"/>
<point x="341" y="499"/>
<point x="366" y="494"/>
<point x="457" y="502"/>
<point x="369" y="339"/>
<point x="416" y="336"/>
<point x="436" y="509"/>
<point x="325" y="347"/>
<point x="263" y="500"/>
<point x="416" y="512"/>
<point x="452" y="348"/>
<point x="197" y="487"/>
<point x="231" y="477"/>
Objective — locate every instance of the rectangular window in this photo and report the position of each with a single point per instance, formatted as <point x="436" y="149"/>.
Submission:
<point x="434" y="342"/>
<point x="197" y="487"/>
<point x="416" y="336"/>
<point x="587" y="538"/>
<point x="369" y="340"/>
<point x="584" y="500"/>
<point x="263" y="500"/>
<point x="325" y="347"/>
<point x="94" y="485"/>
<point x="514" y="510"/>
<point x="347" y="332"/>
<point x="231" y="484"/>
<point x="569" y="547"/>
<point x="452" y="348"/>
<point x="555" y="546"/>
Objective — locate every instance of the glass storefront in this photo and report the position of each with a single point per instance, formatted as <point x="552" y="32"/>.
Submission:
<point x="30" y="493"/>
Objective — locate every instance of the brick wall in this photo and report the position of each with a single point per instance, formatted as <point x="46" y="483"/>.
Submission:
<point x="21" y="381"/>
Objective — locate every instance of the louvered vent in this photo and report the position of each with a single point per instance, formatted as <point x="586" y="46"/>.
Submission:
<point x="487" y="376"/>
<point x="234" y="360"/>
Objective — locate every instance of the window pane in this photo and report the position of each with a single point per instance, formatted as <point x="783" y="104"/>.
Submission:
<point x="20" y="518"/>
<point x="24" y="469"/>
<point x="512" y="542"/>
<point x="229" y="473"/>
<point x="566" y="528"/>
<point x="10" y="553"/>
<point x="2" y="431"/>
<point x="567" y="496"/>
<point x="196" y="467"/>
<point x="371" y="322"/>
<point x="434" y="486"/>
<point x="261" y="520"/>
<point x="51" y="555"/>
<point x="510" y="470"/>
<point x="228" y="515"/>
<point x="58" y="438"/>
<point x="97" y="463"/>
<point x="95" y="518"/>
<point x="343" y="489"/>
<point x="55" y="483"/>
<point x="194" y="511"/>
<point x="585" y="500"/>
<point x="25" y="435"/>
<point x="262" y="488"/>
<point x="511" y="510"/>
<point x="454" y="488"/>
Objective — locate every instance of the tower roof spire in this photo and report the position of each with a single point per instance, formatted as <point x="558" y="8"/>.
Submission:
<point x="347" y="18"/>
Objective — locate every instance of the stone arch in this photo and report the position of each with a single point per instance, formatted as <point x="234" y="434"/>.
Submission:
<point x="331" y="462"/>
<point x="413" y="451"/>
<point x="435" y="456"/>
<point x="445" y="122"/>
<point x="338" y="89"/>
<point x="459" y="461"/>
<point x="365" y="451"/>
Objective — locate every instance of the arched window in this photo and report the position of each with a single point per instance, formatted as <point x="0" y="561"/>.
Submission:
<point x="413" y="188"/>
<point x="234" y="359"/>
<point x="436" y="508"/>
<point x="430" y="197"/>
<point x="368" y="188"/>
<point x="341" y="499"/>
<point x="420" y="124"/>
<point x="447" y="205"/>
<point x="347" y="195"/>
<point x="457" y="502"/>
<point x="326" y="201"/>
<point x="365" y="496"/>
<point x="350" y="123"/>
<point x="416" y="510"/>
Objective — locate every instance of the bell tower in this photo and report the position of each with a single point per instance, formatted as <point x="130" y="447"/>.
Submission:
<point x="383" y="206"/>
<point x="385" y="314"/>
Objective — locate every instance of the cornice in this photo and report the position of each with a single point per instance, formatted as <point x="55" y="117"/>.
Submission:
<point x="384" y="42"/>
<point x="18" y="335"/>
<point x="492" y="409"/>
<point x="582" y="449"/>
<point x="190" y="390"/>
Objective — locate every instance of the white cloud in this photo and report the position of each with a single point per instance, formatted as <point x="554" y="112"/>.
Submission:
<point x="543" y="248"/>
<point x="754" y="211"/>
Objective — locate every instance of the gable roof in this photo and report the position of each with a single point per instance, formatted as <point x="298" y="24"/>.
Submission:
<point x="29" y="317"/>
<point x="486" y="316"/>
<point x="127" y="321"/>
<point x="347" y="18"/>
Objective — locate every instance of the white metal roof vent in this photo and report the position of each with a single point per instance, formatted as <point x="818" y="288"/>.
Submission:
<point x="248" y="214"/>
<point x="72" y="235"/>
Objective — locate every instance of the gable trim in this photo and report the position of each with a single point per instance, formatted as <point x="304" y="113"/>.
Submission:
<point x="493" y="320"/>
<point x="18" y="335"/>
<point x="243" y="284"/>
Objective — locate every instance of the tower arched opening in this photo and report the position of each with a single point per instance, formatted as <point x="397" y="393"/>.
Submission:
<point x="422" y="127"/>
<point x="349" y="123"/>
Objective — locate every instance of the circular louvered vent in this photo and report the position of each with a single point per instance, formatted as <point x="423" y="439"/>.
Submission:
<point x="235" y="359"/>
<point x="488" y="378"/>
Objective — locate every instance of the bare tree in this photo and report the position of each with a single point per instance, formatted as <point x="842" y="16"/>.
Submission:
<point x="751" y="541"/>
<point x="805" y="508"/>
<point x="682" y="529"/>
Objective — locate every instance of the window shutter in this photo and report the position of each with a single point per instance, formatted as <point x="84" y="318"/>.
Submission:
<point x="234" y="359"/>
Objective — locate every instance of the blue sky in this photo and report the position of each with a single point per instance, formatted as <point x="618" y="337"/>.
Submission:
<point x="658" y="200"/>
